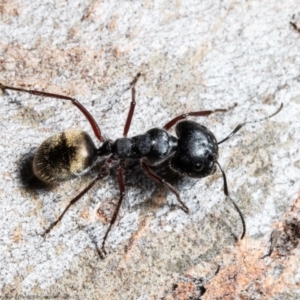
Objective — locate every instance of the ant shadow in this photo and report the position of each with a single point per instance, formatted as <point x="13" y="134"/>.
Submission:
<point x="134" y="178"/>
<point x="26" y="175"/>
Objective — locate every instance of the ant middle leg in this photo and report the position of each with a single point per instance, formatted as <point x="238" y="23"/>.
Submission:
<point x="160" y="180"/>
<point x="203" y="113"/>
<point x="75" y="102"/>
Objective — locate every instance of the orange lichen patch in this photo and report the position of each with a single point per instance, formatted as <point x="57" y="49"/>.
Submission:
<point x="10" y="9"/>
<point x="91" y="12"/>
<point x="242" y="270"/>
<point x="204" y="269"/>
<point x="247" y="270"/>
<point x="85" y="214"/>
<point x="275" y="283"/>
<point x="87" y="15"/>
<point x="142" y="230"/>
<point x="17" y="234"/>
<point x="16" y="56"/>
<point x="51" y="62"/>
<point x="105" y="210"/>
<point x="102" y="216"/>
<point x="183" y="291"/>
<point x="120" y="50"/>
<point x="296" y="205"/>
<point x="6" y="175"/>
<point x="113" y="23"/>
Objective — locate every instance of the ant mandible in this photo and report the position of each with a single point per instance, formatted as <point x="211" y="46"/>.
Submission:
<point x="193" y="153"/>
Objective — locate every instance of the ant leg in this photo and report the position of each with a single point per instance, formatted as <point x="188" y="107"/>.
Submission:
<point x="103" y="173"/>
<point x="160" y="180"/>
<point x="86" y="113"/>
<point x="132" y="105"/>
<point x="116" y="212"/>
<point x="203" y="113"/>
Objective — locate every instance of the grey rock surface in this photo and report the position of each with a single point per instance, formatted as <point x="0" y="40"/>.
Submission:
<point x="194" y="55"/>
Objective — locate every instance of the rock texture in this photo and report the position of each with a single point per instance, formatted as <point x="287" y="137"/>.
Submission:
<point x="193" y="55"/>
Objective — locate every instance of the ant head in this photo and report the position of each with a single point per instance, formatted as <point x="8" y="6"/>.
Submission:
<point x="197" y="150"/>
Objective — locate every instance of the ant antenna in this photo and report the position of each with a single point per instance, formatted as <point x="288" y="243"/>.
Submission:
<point x="249" y="122"/>
<point x="223" y="173"/>
<point x="232" y="201"/>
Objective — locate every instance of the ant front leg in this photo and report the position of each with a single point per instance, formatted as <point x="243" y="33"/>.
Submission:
<point x="203" y="113"/>
<point x="75" y="102"/>
<point x="160" y="180"/>
<point x="132" y="105"/>
<point x="116" y="212"/>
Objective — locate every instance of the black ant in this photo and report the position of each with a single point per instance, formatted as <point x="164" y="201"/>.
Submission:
<point x="193" y="153"/>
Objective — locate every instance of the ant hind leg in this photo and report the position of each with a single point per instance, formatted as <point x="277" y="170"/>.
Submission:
<point x="75" y="102"/>
<point x="117" y="209"/>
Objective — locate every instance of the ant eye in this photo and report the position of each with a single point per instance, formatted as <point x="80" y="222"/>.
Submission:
<point x="210" y="157"/>
<point x="198" y="167"/>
